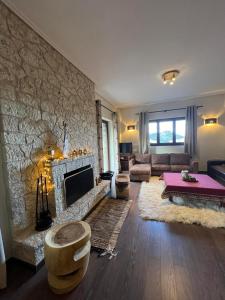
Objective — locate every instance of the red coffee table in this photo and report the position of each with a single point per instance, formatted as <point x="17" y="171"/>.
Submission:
<point x="206" y="189"/>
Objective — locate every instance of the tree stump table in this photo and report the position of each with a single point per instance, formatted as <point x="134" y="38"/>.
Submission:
<point x="122" y="186"/>
<point x="67" y="251"/>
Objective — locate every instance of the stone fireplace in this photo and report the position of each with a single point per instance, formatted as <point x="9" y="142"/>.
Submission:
<point x="59" y="170"/>
<point x="39" y="91"/>
<point x="28" y="244"/>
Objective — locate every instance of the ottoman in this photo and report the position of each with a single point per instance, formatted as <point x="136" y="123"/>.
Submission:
<point x="67" y="251"/>
<point x="122" y="186"/>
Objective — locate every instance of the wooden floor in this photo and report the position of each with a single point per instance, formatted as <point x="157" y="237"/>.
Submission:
<point x="155" y="261"/>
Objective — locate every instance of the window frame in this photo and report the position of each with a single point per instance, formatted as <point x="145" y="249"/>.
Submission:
<point x="174" y="143"/>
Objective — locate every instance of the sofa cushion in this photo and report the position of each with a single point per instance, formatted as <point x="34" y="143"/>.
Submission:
<point x="179" y="168"/>
<point x="160" y="167"/>
<point x="162" y="159"/>
<point x="140" y="169"/>
<point x="142" y="158"/>
<point x="179" y="159"/>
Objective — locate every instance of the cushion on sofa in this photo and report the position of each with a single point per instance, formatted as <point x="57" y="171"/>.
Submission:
<point x="179" y="168"/>
<point x="142" y="158"/>
<point x="179" y="159"/>
<point x="162" y="159"/>
<point x="140" y="169"/>
<point x="161" y="167"/>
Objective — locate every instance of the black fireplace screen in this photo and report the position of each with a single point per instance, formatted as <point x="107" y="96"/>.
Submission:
<point x="77" y="183"/>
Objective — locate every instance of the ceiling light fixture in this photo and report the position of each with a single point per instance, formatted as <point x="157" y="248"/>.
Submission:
<point x="170" y="76"/>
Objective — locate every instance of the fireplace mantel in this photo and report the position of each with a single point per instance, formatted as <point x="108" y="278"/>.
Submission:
<point x="69" y="160"/>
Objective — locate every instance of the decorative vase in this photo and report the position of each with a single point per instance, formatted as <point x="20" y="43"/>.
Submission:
<point x="185" y="174"/>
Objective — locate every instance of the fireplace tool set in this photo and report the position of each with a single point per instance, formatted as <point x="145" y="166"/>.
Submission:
<point x="43" y="215"/>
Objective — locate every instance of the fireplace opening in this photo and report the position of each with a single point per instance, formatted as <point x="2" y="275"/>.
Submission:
<point x="77" y="183"/>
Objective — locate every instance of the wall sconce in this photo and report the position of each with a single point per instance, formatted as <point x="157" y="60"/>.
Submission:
<point x="131" y="127"/>
<point x="210" y="121"/>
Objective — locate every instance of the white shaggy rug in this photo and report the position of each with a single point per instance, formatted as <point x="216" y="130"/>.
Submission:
<point x="153" y="207"/>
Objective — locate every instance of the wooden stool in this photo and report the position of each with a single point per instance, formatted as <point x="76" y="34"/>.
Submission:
<point x="122" y="186"/>
<point x="67" y="251"/>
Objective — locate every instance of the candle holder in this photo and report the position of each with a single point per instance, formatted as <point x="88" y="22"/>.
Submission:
<point x="43" y="215"/>
<point x="51" y="153"/>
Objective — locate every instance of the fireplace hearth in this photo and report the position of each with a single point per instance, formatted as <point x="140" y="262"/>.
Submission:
<point x="28" y="246"/>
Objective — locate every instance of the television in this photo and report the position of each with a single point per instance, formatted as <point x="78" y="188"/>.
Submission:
<point x="126" y="148"/>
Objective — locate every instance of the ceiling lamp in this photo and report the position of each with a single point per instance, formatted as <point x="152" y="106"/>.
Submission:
<point x="170" y="76"/>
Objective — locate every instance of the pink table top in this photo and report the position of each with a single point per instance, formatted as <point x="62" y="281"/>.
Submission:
<point x="205" y="185"/>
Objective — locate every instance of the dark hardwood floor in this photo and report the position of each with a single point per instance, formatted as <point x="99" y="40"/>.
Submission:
<point x="155" y="261"/>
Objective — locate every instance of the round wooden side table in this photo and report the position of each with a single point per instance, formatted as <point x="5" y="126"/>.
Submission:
<point x="67" y="251"/>
<point x="122" y="186"/>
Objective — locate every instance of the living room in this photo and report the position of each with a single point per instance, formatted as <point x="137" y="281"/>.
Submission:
<point x="112" y="153"/>
<point x="211" y="107"/>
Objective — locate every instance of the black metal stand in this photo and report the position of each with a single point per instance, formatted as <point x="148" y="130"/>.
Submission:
<point x="43" y="215"/>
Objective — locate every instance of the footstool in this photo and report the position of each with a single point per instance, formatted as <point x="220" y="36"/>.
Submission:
<point x="122" y="186"/>
<point x="67" y="251"/>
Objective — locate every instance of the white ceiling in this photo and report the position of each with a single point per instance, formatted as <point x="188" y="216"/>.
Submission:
<point x="125" y="45"/>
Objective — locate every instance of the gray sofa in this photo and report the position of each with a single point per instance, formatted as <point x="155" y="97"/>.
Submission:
<point x="142" y="166"/>
<point x="216" y="169"/>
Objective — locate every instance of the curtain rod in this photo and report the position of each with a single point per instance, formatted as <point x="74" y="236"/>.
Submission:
<point x="107" y="108"/>
<point x="166" y="110"/>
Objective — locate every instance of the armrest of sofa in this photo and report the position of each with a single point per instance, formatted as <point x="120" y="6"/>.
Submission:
<point x="194" y="166"/>
<point x="131" y="162"/>
<point x="211" y="163"/>
<point x="215" y="162"/>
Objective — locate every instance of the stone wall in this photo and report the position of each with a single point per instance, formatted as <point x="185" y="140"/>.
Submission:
<point x="39" y="89"/>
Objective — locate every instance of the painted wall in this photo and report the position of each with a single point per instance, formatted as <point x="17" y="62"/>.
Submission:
<point x="211" y="139"/>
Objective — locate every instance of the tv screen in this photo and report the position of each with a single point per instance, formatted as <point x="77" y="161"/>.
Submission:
<point x="125" y="148"/>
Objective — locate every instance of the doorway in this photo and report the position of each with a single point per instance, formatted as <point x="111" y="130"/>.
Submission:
<point x="105" y="146"/>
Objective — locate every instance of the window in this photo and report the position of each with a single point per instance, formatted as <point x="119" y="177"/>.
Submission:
<point x="167" y="132"/>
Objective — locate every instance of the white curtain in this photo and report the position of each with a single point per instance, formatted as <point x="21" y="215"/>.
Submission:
<point x="2" y="264"/>
<point x="144" y="146"/>
<point x="190" y="145"/>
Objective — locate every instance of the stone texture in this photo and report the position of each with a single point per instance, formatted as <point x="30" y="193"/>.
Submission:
<point x="39" y="89"/>
<point x="28" y="245"/>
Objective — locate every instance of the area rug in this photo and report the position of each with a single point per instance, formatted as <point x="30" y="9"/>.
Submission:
<point x="106" y="222"/>
<point x="152" y="207"/>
